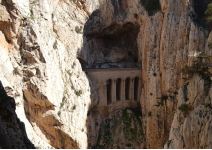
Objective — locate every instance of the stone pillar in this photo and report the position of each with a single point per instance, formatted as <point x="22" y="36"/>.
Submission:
<point x="123" y="89"/>
<point x="132" y="89"/>
<point x="102" y="93"/>
<point x="113" y="90"/>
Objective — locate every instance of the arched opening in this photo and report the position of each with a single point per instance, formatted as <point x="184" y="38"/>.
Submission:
<point x="127" y="89"/>
<point x="109" y="92"/>
<point x="118" y="89"/>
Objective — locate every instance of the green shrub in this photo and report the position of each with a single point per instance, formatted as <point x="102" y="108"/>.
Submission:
<point x="210" y="45"/>
<point x="162" y="100"/>
<point x="185" y="108"/>
<point x="78" y="92"/>
<point x="79" y="29"/>
<point x="197" y="68"/>
<point x="208" y="11"/>
<point x="208" y="15"/>
<point x="74" y="107"/>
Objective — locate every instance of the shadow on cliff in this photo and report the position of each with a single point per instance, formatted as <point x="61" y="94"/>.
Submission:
<point x="12" y="130"/>
<point x="200" y="17"/>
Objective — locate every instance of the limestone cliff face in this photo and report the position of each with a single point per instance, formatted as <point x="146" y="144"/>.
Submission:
<point x="170" y="41"/>
<point x="44" y="45"/>
<point x="39" y="45"/>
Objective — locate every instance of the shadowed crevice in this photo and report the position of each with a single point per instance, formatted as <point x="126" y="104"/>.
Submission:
<point x="12" y="130"/>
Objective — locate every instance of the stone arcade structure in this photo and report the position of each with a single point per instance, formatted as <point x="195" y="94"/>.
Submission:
<point x="110" y="58"/>
<point x="118" y="88"/>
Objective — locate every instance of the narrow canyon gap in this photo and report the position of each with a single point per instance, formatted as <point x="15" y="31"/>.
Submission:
<point x="111" y="61"/>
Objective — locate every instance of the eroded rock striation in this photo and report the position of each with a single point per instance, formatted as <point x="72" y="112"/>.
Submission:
<point x="48" y="99"/>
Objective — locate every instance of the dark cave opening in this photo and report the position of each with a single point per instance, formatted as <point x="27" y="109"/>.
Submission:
<point x="200" y="6"/>
<point x="151" y="6"/>
<point x="127" y="89"/>
<point x="113" y="47"/>
<point x="109" y="95"/>
<point x="118" y="89"/>
<point x="200" y="17"/>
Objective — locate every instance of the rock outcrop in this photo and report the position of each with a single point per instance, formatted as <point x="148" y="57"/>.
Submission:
<point x="39" y="63"/>
<point x="171" y="40"/>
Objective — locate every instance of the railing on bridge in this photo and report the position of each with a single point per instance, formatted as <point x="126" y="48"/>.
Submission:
<point x="117" y="88"/>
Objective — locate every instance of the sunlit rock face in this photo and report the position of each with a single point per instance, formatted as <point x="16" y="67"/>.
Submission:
<point x="48" y="46"/>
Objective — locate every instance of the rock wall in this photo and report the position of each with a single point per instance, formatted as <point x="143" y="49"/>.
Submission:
<point x="172" y="37"/>
<point x="121" y="130"/>
<point x="39" y="63"/>
<point x="170" y="40"/>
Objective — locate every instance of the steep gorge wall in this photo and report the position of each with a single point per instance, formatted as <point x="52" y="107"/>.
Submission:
<point x="40" y="44"/>
<point x="171" y="38"/>
<point x="39" y="63"/>
<point x="169" y="41"/>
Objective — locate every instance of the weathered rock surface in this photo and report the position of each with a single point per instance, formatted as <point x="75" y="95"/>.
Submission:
<point x="170" y="39"/>
<point x="40" y="65"/>
<point x="121" y="130"/>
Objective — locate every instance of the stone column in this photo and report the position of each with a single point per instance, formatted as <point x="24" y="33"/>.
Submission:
<point x="102" y="93"/>
<point x="123" y="89"/>
<point x="132" y="88"/>
<point x="113" y="90"/>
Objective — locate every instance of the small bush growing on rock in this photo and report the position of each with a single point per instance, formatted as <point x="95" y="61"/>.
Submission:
<point x="74" y="107"/>
<point x="63" y="102"/>
<point x="162" y="100"/>
<point x="208" y="13"/>
<point x="78" y="92"/>
<point x="78" y="29"/>
<point x="208" y="105"/>
<point x="59" y="113"/>
<point x="197" y="68"/>
<point x="208" y="16"/>
<point x="185" y="108"/>
<point x="210" y="45"/>
<point x="17" y="104"/>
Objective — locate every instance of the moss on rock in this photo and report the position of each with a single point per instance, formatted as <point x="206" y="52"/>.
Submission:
<point x="122" y="130"/>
